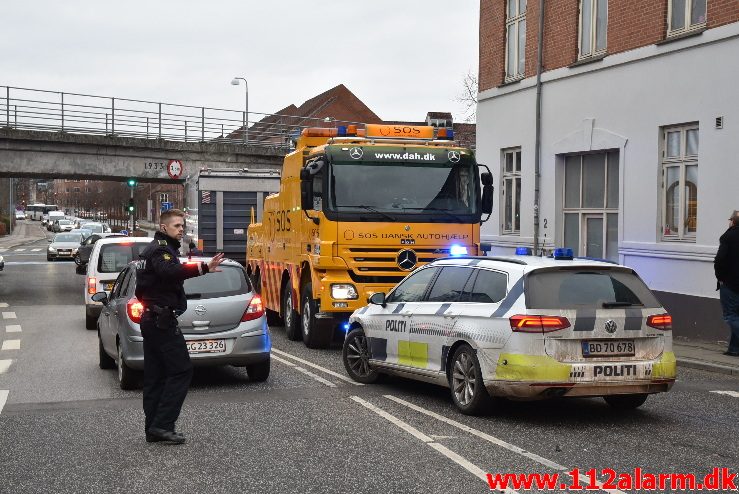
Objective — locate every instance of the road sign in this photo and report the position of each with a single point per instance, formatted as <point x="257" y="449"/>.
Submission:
<point x="174" y="169"/>
<point x="166" y="206"/>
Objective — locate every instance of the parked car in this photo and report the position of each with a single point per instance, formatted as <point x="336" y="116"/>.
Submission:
<point x="83" y="254"/>
<point x="109" y="256"/>
<point x="224" y="324"/>
<point x="63" y="246"/>
<point x="522" y="327"/>
<point x="20" y="215"/>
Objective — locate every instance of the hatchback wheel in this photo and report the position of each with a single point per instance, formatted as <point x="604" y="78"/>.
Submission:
<point x="106" y="361"/>
<point x="626" y="402"/>
<point x="468" y="391"/>
<point x="91" y="322"/>
<point x="127" y="378"/>
<point x="355" y="355"/>
<point x="290" y="316"/>
<point x="258" y="372"/>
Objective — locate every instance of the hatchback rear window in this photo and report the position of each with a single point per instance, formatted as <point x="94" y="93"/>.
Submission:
<point x="594" y="288"/>
<point x="115" y="257"/>
<point x="229" y="281"/>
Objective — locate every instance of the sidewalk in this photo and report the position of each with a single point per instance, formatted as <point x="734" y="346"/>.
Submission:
<point x="25" y="232"/>
<point x="705" y="356"/>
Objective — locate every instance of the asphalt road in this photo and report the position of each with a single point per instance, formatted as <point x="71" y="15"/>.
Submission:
<point x="67" y="427"/>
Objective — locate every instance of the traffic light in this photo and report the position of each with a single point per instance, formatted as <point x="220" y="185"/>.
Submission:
<point x="131" y="206"/>
<point x="132" y="182"/>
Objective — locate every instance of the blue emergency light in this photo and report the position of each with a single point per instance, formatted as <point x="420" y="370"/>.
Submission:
<point x="345" y="326"/>
<point x="523" y="251"/>
<point x="563" y="253"/>
<point x="458" y="250"/>
<point x="341" y="131"/>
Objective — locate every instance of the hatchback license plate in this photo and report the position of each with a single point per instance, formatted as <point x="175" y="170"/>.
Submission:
<point x="610" y="348"/>
<point x="109" y="286"/>
<point x="206" y="346"/>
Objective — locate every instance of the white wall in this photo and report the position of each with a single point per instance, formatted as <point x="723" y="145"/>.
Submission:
<point x="622" y="102"/>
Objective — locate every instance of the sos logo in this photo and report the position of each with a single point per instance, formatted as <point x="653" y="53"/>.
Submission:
<point x="398" y="130"/>
<point x="280" y="221"/>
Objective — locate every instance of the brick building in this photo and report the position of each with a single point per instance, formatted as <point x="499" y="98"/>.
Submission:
<point x="634" y="136"/>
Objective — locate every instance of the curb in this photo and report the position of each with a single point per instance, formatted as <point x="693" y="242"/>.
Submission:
<point x="707" y="366"/>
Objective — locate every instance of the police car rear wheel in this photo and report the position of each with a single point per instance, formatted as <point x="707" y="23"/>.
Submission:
<point x="626" y="402"/>
<point x="289" y="316"/>
<point x="468" y="391"/>
<point x="355" y="355"/>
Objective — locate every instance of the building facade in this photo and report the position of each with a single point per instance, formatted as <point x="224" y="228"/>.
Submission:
<point x="636" y="135"/>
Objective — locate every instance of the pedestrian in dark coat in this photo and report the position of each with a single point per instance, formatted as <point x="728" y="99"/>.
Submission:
<point x="726" y="266"/>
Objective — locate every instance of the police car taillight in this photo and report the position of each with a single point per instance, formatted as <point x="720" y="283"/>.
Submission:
<point x="660" y="321"/>
<point x="135" y="310"/>
<point x="538" y="324"/>
<point x="254" y="310"/>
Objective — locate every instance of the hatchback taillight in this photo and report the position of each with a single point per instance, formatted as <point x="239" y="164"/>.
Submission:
<point x="660" y="321"/>
<point x="135" y="310"/>
<point x="538" y="324"/>
<point x="254" y="310"/>
<point x="92" y="285"/>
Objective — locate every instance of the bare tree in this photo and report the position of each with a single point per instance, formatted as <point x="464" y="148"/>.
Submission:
<point x="468" y="96"/>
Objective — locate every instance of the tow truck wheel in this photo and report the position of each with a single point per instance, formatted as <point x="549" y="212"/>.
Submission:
<point x="316" y="334"/>
<point x="290" y="316"/>
<point x="355" y="355"/>
<point x="465" y="379"/>
<point x="626" y="402"/>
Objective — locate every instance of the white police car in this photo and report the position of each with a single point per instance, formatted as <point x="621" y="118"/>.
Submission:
<point x="521" y="327"/>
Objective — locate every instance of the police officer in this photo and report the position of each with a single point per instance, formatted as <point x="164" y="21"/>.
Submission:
<point x="726" y="266"/>
<point x="160" y="287"/>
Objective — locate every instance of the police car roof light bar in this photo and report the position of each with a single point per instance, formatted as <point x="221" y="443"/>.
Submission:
<point x="483" y="258"/>
<point x="523" y="251"/>
<point x="563" y="254"/>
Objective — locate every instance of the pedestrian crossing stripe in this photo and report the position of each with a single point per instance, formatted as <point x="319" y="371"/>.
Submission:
<point x="734" y="394"/>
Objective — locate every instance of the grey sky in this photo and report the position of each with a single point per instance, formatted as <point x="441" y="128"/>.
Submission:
<point x="401" y="57"/>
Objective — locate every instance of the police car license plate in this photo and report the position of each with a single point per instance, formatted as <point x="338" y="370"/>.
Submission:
<point x="610" y="348"/>
<point x="206" y="346"/>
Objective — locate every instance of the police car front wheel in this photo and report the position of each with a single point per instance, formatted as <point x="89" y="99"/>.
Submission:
<point x="355" y="355"/>
<point x="468" y="391"/>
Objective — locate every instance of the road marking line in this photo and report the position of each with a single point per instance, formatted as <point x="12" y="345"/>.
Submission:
<point x="3" y="304"/>
<point x="19" y="250"/>
<point x="734" y="394"/>
<point x="311" y="364"/>
<point x="5" y="365"/>
<point x="9" y="315"/>
<point x="13" y="328"/>
<point x="3" y="249"/>
<point x="494" y="440"/>
<point x="35" y="250"/>
<point x="3" y="398"/>
<point x="306" y="372"/>
<point x="459" y="460"/>
<point x="11" y="345"/>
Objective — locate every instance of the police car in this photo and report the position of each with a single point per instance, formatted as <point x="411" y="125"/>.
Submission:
<point x="521" y="327"/>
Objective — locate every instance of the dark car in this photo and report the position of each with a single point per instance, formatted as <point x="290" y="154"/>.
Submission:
<point x="83" y="253"/>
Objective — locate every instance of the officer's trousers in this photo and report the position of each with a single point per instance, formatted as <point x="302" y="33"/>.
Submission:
<point x="167" y="373"/>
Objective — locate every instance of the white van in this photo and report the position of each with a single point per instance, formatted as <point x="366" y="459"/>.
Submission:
<point x="109" y="257"/>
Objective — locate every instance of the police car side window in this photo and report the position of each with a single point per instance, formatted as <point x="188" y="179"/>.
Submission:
<point x="449" y="285"/>
<point x="414" y="287"/>
<point x="489" y="288"/>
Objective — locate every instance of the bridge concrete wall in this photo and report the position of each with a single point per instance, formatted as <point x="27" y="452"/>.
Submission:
<point x="50" y="155"/>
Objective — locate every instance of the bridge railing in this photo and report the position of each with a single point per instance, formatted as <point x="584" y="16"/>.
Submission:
<point x="42" y="110"/>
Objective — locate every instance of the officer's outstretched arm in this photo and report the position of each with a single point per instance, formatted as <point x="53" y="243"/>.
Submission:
<point x="168" y="268"/>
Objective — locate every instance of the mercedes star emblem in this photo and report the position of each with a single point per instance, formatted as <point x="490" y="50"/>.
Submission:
<point x="454" y="156"/>
<point x="611" y="326"/>
<point x="200" y="310"/>
<point x="356" y="153"/>
<point x="406" y="260"/>
<point x="407" y="228"/>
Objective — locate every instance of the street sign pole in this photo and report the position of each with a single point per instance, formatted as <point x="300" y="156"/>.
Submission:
<point x="130" y="215"/>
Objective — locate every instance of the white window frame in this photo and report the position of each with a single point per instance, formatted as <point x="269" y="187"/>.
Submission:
<point x="688" y="26"/>
<point x="593" y="31"/>
<point x="513" y="175"/>
<point x="682" y="161"/>
<point x="515" y="21"/>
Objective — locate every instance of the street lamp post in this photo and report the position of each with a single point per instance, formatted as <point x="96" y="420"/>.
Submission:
<point x="236" y="81"/>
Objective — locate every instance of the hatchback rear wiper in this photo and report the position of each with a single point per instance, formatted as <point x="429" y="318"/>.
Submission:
<point x="369" y="208"/>
<point x="609" y="305"/>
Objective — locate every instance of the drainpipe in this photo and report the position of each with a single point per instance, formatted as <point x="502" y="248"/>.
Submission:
<point x="537" y="147"/>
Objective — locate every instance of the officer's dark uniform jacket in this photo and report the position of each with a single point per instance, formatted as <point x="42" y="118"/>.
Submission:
<point x="726" y="263"/>
<point x="160" y="276"/>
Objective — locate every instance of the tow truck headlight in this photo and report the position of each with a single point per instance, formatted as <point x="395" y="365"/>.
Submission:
<point x="343" y="292"/>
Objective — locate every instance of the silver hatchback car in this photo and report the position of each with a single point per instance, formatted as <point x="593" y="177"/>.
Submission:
<point x="224" y="324"/>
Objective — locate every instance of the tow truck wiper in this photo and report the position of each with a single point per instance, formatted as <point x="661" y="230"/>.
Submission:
<point x="451" y="215"/>
<point x="610" y="305"/>
<point x="368" y="208"/>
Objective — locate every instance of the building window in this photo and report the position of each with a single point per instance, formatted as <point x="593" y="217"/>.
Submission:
<point x="685" y="15"/>
<point x="511" y="190"/>
<point x="515" y="39"/>
<point x="591" y="197"/>
<point x="76" y="189"/>
<point x="680" y="182"/>
<point x="593" y="27"/>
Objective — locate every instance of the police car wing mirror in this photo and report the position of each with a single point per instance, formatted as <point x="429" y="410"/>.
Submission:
<point x="378" y="299"/>
<point x="101" y="297"/>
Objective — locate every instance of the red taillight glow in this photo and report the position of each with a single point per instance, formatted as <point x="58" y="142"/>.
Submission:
<point x="135" y="310"/>
<point x="92" y="285"/>
<point x="254" y="310"/>
<point x="660" y="321"/>
<point x="538" y="324"/>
